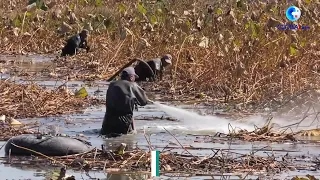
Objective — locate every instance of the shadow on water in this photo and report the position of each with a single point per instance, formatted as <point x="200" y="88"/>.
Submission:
<point x="38" y="172"/>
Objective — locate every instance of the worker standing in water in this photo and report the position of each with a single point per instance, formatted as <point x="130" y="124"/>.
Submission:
<point x="157" y="65"/>
<point x="122" y="97"/>
<point x="75" y="42"/>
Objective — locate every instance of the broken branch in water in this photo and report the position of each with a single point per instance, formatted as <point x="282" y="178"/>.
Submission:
<point x="179" y="142"/>
<point x="151" y="118"/>
<point x="148" y="140"/>
<point x="52" y="159"/>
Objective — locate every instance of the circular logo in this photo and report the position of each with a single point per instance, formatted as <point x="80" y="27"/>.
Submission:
<point x="293" y="13"/>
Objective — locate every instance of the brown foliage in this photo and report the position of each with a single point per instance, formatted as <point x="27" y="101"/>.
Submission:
<point x="31" y="100"/>
<point x="246" y="58"/>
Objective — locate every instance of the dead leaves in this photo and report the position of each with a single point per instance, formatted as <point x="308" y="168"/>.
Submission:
<point x="64" y="28"/>
<point x="311" y="132"/>
<point x="7" y="131"/>
<point x="308" y="177"/>
<point x="35" y="101"/>
<point x="272" y="137"/>
<point x="222" y="37"/>
<point x="263" y="134"/>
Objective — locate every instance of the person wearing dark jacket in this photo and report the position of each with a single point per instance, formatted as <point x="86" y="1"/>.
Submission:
<point x="157" y="65"/>
<point x="122" y="97"/>
<point x="75" y="42"/>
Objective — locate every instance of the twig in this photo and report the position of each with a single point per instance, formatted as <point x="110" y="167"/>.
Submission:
<point x="179" y="143"/>
<point x="140" y="159"/>
<point x="80" y="154"/>
<point x="297" y="123"/>
<point x="149" y="143"/>
<point x="95" y="154"/>
<point x="38" y="153"/>
<point x="3" y="145"/>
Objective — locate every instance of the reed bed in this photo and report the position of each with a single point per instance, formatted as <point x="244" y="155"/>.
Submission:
<point x="31" y="100"/>
<point x="224" y="49"/>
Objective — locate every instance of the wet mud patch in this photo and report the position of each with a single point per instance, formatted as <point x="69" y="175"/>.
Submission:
<point x="9" y="58"/>
<point x="27" y="66"/>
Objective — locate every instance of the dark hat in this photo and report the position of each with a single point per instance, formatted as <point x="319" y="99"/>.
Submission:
<point x="130" y="71"/>
<point x="167" y="58"/>
<point x="84" y="31"/>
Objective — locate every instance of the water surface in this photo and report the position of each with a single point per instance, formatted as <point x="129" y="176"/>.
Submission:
<point x="201" y="142"/>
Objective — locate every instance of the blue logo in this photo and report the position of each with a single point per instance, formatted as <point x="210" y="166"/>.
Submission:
<point x="293" y="13"/>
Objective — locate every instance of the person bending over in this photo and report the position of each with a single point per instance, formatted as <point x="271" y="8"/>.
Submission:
<point x="157" y="65"/>
<point x="75" y="42"/>
<point x="122" y="97"/>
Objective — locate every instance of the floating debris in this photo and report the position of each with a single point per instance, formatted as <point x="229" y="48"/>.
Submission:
<point x="32" y="100"/>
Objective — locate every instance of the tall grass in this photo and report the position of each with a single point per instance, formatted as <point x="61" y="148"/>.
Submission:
<point x="224" y="48"/>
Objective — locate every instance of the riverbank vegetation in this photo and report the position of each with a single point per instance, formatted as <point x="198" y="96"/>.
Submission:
<point x="228" y="50"/>
<point x="28" y="100"/>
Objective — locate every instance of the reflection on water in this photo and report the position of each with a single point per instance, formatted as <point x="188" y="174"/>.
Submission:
<point x="40" y="173"/>
<point x="129" y="140"/>
<point x="26" y="58"/>
<point x="25" y="64"/>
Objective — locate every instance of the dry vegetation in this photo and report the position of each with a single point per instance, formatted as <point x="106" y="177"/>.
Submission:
<point x="31" y="100"/>
<point x="220" y="162"/>
<point x="8" y="131"/>
<point x="226" y="49"/>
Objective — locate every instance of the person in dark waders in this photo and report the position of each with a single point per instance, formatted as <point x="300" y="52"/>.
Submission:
<point x="157" y="65"/>
<point x="75" y="42"/>
<point x="122" y="97"/>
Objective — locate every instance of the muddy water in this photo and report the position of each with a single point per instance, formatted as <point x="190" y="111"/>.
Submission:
<point x="25" y="64"/>
<point x="89" y="122"/>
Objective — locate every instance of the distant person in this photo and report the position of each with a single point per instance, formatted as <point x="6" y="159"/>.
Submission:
<point x="75" y="42"/>
<point x="122" y="97"/>
<point x="157" y="65"/>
